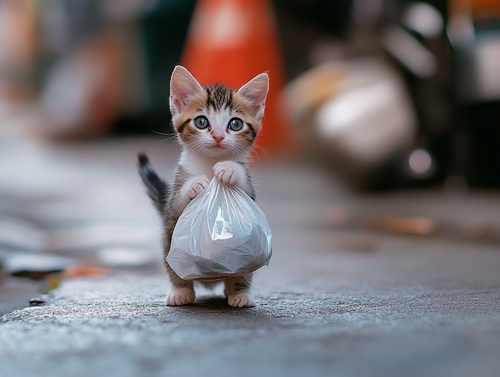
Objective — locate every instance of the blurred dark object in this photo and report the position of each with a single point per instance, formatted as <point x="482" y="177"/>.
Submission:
<point x="474" y="33"/>
<point x="481" y="121"/>
<point x="303" y="23"/>
<point x="164" y="29"/>
<point x="415" y="40"/>
<point x="449" y="53"/>
<point x="39" y="300"/>
<point x="35" y="266"/>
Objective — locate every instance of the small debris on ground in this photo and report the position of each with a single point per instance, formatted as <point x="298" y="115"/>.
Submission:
<point x="418" y="226"/>
<point x="38" y="300"/>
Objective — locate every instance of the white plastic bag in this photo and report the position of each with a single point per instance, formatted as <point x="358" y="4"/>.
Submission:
<point x="221" y="233"/>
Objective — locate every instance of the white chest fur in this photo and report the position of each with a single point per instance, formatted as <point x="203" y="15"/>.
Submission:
<point x="198" y="165"/>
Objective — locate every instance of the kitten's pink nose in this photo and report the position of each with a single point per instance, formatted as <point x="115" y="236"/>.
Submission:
<point x="218" y="138"/>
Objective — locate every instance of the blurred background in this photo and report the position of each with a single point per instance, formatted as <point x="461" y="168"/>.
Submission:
<point x="379" y="94"/>
<point x="390" y="92"/>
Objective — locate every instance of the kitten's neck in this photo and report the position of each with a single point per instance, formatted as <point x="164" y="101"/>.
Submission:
<point x="196" y="164"/>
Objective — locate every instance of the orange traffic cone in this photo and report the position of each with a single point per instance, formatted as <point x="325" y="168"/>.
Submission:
<point x="232" y="41"/>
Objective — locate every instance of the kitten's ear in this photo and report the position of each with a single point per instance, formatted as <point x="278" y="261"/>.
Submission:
<point x="182" y="86"/>
<point x="255" y="91"/>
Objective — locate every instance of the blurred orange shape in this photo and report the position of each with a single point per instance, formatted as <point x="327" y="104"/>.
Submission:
<point x="231" y="41"/>
<point x="86" y="271"/>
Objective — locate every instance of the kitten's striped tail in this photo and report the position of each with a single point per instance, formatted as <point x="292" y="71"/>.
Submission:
<point x="157" y="189"/>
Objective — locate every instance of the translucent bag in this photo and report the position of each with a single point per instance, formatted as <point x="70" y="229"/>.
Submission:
<point x="221" y="233"/>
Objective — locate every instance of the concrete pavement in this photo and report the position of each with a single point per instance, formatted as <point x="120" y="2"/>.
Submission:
<point x="340" y="298"/>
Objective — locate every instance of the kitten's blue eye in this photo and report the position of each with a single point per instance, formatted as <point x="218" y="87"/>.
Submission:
<point x="201" y="122"/>
<point x="235" y="124"/>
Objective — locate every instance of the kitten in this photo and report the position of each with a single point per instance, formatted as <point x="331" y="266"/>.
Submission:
<point x="216" y="127"/>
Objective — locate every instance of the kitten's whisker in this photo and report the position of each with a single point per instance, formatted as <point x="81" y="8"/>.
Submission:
<point x="198" y="147"/>
<point x="162" y="133"/>
<point x="165" y="140"/>
<point x="170" y="136"/>
<point x="257" y="149"/>
<point x="239" y="152"/>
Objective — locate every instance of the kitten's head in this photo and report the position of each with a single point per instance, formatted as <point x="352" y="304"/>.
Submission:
<point x="216" y="121"/>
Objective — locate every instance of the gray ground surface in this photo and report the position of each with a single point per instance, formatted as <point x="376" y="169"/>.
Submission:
<point x="338" y="299"/>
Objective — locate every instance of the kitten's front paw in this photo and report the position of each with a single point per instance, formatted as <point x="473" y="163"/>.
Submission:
<point x="228" y="172"/>
<point x="197" y="185"/>
<point x="241" y="300"/>
<point x="180" y="296"/>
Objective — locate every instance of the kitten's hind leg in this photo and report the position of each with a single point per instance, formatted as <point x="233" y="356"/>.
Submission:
<point x="237" y="292"/>
<point x="182" y="292"/>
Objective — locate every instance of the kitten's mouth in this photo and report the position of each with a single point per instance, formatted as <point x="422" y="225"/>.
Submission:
<point x="215" y="149"/>
<point x="217" y="146"/>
